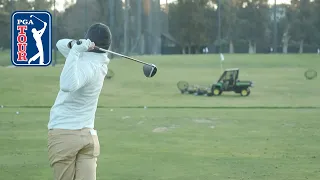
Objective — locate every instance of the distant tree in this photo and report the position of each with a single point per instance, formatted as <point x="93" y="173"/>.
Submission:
<point x="77" y="13"/>
<point x="5" y="29"/>
<point x="229" y="21"/>
<point x="189" y="23"/>
<point x="79" y="16"/>
<point x="316" y="17"/>
<point x="201" y="24"/>
<point x="21" y="5"/>
<point x="179" y="22"/>
<point x="253" y="21"/>
<point x="6" y="8"/>
<point x="41" y="4"/>
<point x="284" y="24"/>
<point x="103" y="15"/>
<point x="303" y="27"/>
<point x="211" y="22"/>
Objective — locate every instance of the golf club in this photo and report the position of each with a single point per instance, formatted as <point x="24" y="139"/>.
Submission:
<point x="36" y="18"/>
<point x="149" y="70"/>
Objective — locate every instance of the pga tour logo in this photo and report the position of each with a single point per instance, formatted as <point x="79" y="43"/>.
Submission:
<point x="31" y="38"/>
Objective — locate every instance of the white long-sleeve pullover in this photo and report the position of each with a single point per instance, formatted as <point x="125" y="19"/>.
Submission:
<point x="81" y="81"/>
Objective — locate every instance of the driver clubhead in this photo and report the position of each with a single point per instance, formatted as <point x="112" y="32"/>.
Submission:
<point x="149" y="70"/>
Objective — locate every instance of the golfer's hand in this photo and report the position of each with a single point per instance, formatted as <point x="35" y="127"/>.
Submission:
<point x="84" y="46"/>
<point x="91" y="47"/>
<point x="71" y="43"/>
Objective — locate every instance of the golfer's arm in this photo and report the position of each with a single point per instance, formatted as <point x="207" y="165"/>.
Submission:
<point x="75" y="74"/>
<point x="63" y="46"/>
<point x="42" y="30"/>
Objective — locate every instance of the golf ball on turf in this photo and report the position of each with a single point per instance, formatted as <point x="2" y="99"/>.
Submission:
<point x="17" y="112"/>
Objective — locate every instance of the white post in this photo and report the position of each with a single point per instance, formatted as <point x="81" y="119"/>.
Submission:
<point x="221" y="59"/>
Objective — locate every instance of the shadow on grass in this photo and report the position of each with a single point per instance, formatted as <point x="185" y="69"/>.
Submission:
<point x="221" y="96"/>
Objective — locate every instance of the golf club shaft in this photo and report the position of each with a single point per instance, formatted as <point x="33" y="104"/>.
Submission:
<point x="37" y="18"/>
<point x="127" y="57"/>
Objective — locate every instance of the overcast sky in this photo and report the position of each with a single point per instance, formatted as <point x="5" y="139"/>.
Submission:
<point x="59" y="3"/>
<point x="270" y="1"/>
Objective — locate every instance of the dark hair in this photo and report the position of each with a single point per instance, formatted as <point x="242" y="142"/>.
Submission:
<point x="100" y="34"/>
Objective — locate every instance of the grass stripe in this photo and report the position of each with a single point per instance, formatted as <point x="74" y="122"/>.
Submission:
<point x="185" y="107"/>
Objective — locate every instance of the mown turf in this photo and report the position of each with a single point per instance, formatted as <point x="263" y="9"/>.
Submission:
<point x="5" y="56"/>
<point x="202" y="144"/>
<point x="279" y="81"/>
<point x="199" y="143"/>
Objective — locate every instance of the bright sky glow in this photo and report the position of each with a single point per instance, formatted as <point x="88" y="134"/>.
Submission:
<point x="60" y="3"/>
<point x="270" y="1"/>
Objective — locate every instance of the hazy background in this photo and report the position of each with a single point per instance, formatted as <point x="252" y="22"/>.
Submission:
<point x="183" y="26"/>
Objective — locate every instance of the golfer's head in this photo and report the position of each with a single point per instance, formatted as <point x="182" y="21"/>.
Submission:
<point x="100" y="34"/>
<point x="33" y="30"/>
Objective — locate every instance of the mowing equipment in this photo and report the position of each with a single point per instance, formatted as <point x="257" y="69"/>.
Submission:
<point x="310" y="74"/>
<point x="185" y="88"/>
<point x="228" y="81"/>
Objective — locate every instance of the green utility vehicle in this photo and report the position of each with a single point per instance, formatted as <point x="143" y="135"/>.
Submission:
<point x="229" y="82"/>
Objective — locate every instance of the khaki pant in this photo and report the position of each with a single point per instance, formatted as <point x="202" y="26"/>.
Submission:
<point x="73" y="154"/>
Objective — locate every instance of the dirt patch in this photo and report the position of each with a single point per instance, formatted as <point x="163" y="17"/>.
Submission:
<point x="173" y="126"/>
<point x="140" y="122"/>
<point x="202" y="121"/>
<point x="289" y="124"/>
<point x="160" y="129"/>
<point x="125" y="117"/>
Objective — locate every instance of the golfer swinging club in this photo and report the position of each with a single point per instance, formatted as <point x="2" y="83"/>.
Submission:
<point x="73" y="145"/>
<point x="37" y="37"/>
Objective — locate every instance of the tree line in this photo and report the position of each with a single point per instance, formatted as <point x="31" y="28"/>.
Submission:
<point x="230" y="26"/>
<point x="247" y="25"/>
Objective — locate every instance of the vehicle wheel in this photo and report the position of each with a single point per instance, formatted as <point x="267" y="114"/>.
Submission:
<point x="245" y="92"/>
<point x="216" y="92"/>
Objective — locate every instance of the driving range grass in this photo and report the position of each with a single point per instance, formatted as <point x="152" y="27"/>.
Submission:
<point x="263" y="140"/>
<point x="5" y="56"/>
<point x="278" y="79"/>
<point x="198" y="144"/>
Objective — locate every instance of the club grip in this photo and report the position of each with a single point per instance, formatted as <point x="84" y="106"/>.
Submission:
<point x="79" y="42"/>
